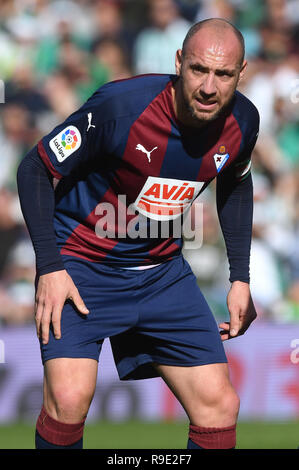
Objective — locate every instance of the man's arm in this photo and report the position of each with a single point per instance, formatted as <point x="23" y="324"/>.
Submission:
<point x="235" y="209"/>
<point x="75" y="144"/>
<point x="37" y="200"/>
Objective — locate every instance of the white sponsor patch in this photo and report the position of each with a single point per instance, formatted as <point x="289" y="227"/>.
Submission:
<point x="65" y="143"/>
<point x="166" y="198"/>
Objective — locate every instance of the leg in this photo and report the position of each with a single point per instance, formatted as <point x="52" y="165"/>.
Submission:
<point x="69" y="386"/>
<point x="209" y="399"/>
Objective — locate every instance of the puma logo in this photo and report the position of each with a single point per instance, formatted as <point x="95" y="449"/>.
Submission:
<point x="89" y="116"/>
<point x="142" y="149"/>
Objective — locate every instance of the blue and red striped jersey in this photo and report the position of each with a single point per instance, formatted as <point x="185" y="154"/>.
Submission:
<point x="123" y="153"/>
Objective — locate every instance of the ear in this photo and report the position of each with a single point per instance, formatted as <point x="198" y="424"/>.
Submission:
<point x="178" y="61"/>
<point x="242" y="70"/>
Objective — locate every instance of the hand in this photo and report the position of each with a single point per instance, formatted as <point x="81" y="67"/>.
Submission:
<point x="241" y="309"/>
<point x="53" y="290"/>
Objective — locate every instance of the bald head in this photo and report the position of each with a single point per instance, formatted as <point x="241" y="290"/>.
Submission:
<point x="218" y="27"/>
<point x="209" y="67"/>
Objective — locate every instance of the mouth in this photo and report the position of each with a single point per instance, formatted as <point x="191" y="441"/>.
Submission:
<point x="205" y="104"/>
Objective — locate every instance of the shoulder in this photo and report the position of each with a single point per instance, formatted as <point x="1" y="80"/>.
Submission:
<point x="126" y="97"/>
<point x="246" y="114"/>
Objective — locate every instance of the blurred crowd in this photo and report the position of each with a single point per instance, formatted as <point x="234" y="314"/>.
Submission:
<point x="55" y="53"/>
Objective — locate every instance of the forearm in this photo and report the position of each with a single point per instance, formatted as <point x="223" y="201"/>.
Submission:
<point x="235" y="209"/>
<point x="37" y="201"/>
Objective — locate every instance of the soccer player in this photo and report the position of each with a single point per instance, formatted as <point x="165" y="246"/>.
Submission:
<point x="145" y="147"/>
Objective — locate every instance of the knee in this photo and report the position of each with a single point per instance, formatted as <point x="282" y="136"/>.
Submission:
<point x="225" y="400"/>
<point x="229" y="403"/>
<point x="217" y="407"/>
<point x="68" y="405"/>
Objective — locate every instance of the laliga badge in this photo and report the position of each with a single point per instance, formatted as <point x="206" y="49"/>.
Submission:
<point x="65" y="143"/>
<point x="221" y="158"/>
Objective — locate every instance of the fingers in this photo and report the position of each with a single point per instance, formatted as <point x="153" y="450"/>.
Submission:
<point x="235" y="323"/>
<point x="224" y="333"/>
<point x="233" y="328"/>
<point x="241" y="310"/>
<point x="224" y="336"/>
<point x="45" y="324"/>
<point x="52" y="291"/>
<point x="229" y="330"/>
<point x="56" y="320"/>
<point x="78" y="301"/>
<point x="38" y="317"/>
<point x="47" y="314"/>
<point x="224" y="326"/>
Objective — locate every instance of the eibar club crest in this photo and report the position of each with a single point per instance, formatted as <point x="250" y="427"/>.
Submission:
<point x="221" y="158"/>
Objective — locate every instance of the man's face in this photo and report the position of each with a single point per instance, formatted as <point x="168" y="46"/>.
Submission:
<point x="209" y="72"/>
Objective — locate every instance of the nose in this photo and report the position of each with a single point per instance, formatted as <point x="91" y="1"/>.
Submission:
<point x="208" y="86"/>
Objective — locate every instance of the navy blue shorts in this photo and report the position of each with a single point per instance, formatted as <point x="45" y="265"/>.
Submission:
<point x="157" y="315"/>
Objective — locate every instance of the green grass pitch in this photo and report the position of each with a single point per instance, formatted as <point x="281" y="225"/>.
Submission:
<point x="159" y="435"/>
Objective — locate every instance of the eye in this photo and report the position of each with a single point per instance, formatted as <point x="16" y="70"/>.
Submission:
<point x="198" y="68"/>
<point x="224" y="73"/>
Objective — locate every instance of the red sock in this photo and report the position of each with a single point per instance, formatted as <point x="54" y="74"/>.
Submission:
<point x="213" y="438"/>
<point x="61" y="434"/>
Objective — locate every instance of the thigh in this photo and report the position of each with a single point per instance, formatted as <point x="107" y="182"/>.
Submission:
<point x="67" y="372"/>
<point x="69" y="382"/>
<point x="198" y="386"/>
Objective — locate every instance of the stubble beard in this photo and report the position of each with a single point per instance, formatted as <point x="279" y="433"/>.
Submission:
<point x="200" y="119"/>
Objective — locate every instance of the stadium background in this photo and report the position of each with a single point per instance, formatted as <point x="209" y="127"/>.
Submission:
<point x="54" y="54"/>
